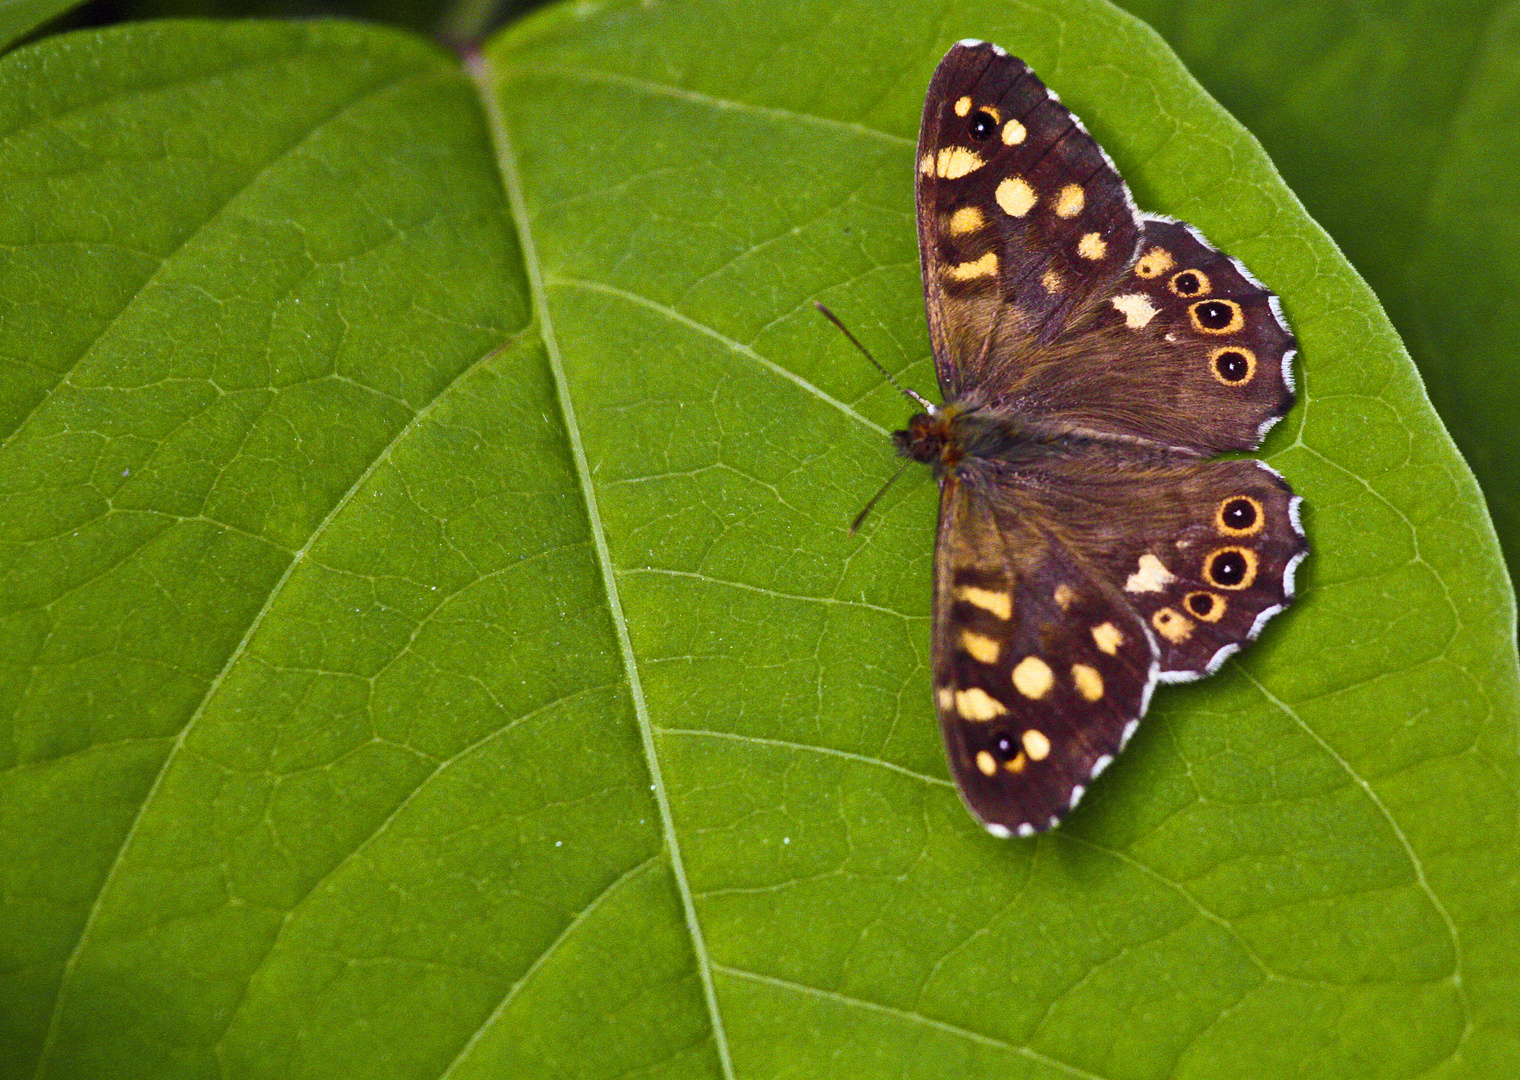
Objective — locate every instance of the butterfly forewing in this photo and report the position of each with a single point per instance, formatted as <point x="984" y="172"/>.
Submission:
<point x="1023" y="221"/>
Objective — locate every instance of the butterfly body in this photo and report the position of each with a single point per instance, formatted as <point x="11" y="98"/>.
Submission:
<point x="1092" y="360"/>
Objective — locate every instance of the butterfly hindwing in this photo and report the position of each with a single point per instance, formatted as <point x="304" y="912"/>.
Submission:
<point x="1204" y="552"/>
<point x="1023" y="220"/>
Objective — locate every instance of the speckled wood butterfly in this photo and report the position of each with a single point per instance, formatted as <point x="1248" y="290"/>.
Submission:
<point x="1092" y="358"/>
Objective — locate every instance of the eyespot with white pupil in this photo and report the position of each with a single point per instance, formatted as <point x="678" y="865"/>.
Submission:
<point x="1004" y="746"/>
<point x="1216" y="316"/>
<point x="1230" y="568"/>
<point x="983" y="124"/>
<point x="1233" y="367"/>
<point x="1239" y="516"/>
<point x="1189" y="283"/>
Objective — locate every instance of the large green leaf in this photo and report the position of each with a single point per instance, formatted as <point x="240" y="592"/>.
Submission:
<point x="432" y="646"/>
<point x="1399" y="127"/>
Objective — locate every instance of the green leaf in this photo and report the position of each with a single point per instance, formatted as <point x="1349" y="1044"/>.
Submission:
<point x="19" y="18"/>
<point x="1399" y="127"/>
<point x="432" y="646"/>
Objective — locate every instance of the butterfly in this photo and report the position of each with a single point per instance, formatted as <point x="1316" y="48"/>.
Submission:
<point x="1092" y="360"/>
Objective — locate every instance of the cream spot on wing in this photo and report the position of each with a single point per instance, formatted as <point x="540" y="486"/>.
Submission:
<point x="1136" y="309"/>
<point x="1172" y="625"/>
<point x="999" y="603"/>
<point x="1013" y="133"/>
<point x="962" y="105"/>
<point x="1033" y="678"/>
<point x="1036" y="745"/>
<point x="1107" y="637"/>
<point x="986" y="762"/>
<point x="1051" y="282"/>
<point x="926" y="164"/>
<point x="1070" y="200"/>
<point x="1102" y="763"/>
<point x="1152" y="576"/>
<point x="1015" y="196"/>
<point x="945" y="698"/>
<point x="1089" y="682"/>
<point x="1091" y="246"/>
<point x="980" y="646"/>
<point x="955" y="162"/>
<point x="1155" y="262"/>
<point x="975" y="704"/>
<point x="966" y="220"/>
<point x="1064" y="595"/>
<point x="986" y="266"/>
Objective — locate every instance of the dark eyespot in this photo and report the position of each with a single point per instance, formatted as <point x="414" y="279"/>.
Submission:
<point x="1216" y="316"/>
<point x="1004" y="746"/>
<point x="1232" y="366"/>
<point x="1238" y="514"/>
<point x="1189" y="283"/>
<point x="1228" y="568"/>
<point x="983" y="124"/>
<point x="1200" y="604"/>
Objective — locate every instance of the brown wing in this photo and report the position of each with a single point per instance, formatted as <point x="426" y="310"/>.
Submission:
<point x="1189" y="350"/>
<point x="1204" y="552"/>
<point x="1041" y="671"/>
<point x="1064" y="593"/>
<point x="1050" y="296"/>
<point x="1023" y="221"/>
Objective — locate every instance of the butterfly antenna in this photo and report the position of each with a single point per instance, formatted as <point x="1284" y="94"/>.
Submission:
<point x="861" y="517"/>
<point x="901" y="389"/>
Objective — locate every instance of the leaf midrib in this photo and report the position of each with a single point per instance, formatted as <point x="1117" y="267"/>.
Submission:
<point x="485" y="80"/>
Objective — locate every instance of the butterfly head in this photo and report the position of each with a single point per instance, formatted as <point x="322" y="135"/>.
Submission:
<point x="931" y="438"/>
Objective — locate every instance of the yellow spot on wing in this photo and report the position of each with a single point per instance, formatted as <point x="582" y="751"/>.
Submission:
<point x="1036" y="745"/>
<point x="999" y="603"/>
<point x="1051" y="282"/>
<point x="955" y="162"/>
<point x="980" y="646"/>
<point x="1151" y="576"/>
<point x="1136" y="309"/>
<point x="1033" y="678"/>
<point x="1089" y="682"/>
<point x="975" y="704"/>
<point x="1013" y="133"/>
<point x="1015" y="196"/>
<point x="962" y="105"/>
<point x="1172" y="625"/>
<point x="945" y="698"/>
<point x="1107" y="637"/>
<point x="1155" y="262"/>
<point x="1091" y="246"/>
<point x="1070" y="201"/>
<point x="986" y="266"/>
<point x="1064" y="595"/>
<point x="965" y="220"/>
<point x="1017" y="764"/>
<point x="986" y="762"/>
<point x="926" y="164"/>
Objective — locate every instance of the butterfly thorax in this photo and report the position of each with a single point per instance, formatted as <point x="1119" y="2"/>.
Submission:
<point x="958" y="434"/>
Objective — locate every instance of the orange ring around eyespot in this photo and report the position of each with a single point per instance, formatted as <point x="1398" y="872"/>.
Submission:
<point x="1244" y="582"/>
<point x="1216" y="610"/>
<point x="1205" y="286"/>
<point x="1250" y="365"/>
<point x="1237" y="317"/>
<point x="1250" y="530"/>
